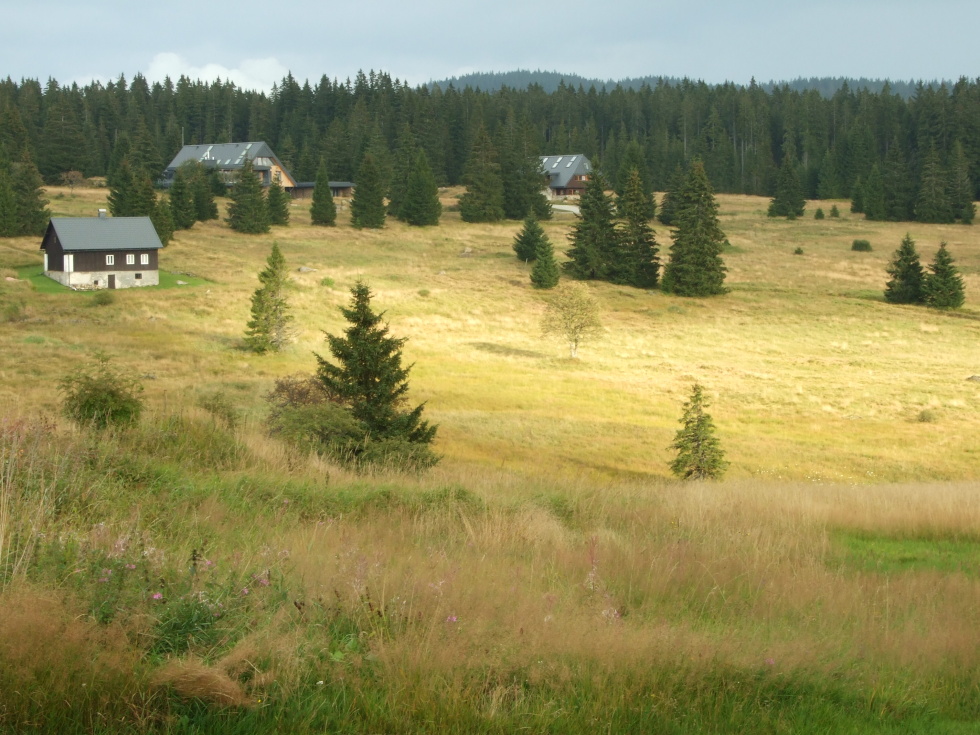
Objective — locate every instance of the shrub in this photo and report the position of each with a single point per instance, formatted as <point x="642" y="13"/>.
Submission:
<point x="101" y="396"/>
<point x="327" y="282"/>
<point x="835" y="212"/>
<point x="818" y="214"/>
<point x="798" y="251"/>
<point x="103" y="298"/>
<point x="220" y="406"/>
<point x="424" y="292"/>
<point x="861" y="246"/>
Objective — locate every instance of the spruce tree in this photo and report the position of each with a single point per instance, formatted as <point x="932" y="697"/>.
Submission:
<point x="420" y="204"/>
<point x="367" y="208"/>
<point x="857" y="196"/>
<point x="788" y="201"/>
<point x="526" y="241"/>
<point x="268" y="329"/>
<point x="873" y="195"/>
<point x="323" y="211"/>
<point x="403" y="161"/>
<point x="367" y="374"/>
<point x="899" y="189"/>
<point x="121" y="191"/>
<point x="247" y="211"/>
<point x="182" y="200"/>
<point x="637" y="263"/>
<point x="277" y="200"/>
<point x="163" y="221"/>
<point x="32" y="212"/>
<point x="943" y="286"/>
<point x="695" y="267"/>
<point x="202" y="195"/>
<point x="524" y="182"/>
<point x="668" y="207"/>
<point x="8" y="203"/>
<point x="699" y="453"/>
<point x="142" y="200"/>
<point x="907" y="276"/>
<point x="594" y="239"/>
<point x="933" y="203"/>
<point x="961" y="186"/>
<point x="545" y="273"/>
<point x="484" y="197"/>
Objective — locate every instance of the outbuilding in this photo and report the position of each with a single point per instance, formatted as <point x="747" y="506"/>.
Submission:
<point x="102" y="252"/>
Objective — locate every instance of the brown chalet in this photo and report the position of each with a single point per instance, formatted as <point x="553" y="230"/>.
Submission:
<point x="566" y="174"/>
<point x="88" y="253"/>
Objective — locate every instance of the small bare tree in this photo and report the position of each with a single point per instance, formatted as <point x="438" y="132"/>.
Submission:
<point x="572" y="314"/>
<point x="71" y="179"/>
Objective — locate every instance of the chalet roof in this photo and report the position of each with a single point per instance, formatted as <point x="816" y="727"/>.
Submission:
<point x="562" y="169"/>
<point x="104" y="233"/>
<point x="223" y="155"/>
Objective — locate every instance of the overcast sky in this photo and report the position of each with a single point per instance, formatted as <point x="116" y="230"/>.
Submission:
<point x="256" y="43"/>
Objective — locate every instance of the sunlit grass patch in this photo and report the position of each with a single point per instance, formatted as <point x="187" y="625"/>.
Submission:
<point x="889" y="555"/>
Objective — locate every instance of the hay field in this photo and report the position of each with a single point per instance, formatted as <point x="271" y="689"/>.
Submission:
<point x="811" y="375"/>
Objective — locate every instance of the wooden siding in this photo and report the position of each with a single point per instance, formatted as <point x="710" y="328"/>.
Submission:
<point x="52" y="246"/>
<point x="94" y="260"/>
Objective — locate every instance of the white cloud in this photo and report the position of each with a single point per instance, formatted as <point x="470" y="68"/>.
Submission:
<point x="258" y="74"/>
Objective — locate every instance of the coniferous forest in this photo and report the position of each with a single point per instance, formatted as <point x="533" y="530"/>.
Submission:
<point x="896" y="157"/>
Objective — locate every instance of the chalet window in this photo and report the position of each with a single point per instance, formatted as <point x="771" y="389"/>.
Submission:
<point x="144" y="258"/>
<point x="130" y="259"/>
<point x="110" y="260"/>
<point x="139" y="276"/>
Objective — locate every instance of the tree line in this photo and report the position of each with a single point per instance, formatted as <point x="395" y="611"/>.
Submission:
<point x="743" y="134"/>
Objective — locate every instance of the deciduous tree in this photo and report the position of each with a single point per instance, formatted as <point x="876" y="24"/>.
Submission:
<point x="572" y="314"/>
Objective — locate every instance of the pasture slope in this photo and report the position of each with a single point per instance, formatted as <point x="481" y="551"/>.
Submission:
<point x="193" y="575"/>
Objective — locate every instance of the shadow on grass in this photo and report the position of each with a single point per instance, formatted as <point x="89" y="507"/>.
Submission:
<point x="495" y="349"/>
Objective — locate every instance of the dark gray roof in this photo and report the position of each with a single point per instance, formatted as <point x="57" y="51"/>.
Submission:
<point x="105" y="233"/>
<point x="222" y="155"/>
<point x="561" y="169"/>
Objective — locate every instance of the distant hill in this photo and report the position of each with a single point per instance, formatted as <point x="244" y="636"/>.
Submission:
<point x="549" y="81"/>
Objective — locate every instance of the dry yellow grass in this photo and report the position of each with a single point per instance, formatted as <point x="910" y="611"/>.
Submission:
<point x="810" y="375"/>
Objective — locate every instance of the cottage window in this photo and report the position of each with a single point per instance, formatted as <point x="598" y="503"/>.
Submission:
<point x="110" y="260"/>
<point x="144" y="258"/>
<point x="130" y="259"/>
<point x="139" y="276"/>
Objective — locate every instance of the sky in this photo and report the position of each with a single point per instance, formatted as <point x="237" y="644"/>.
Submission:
<point x="256" y="43"/>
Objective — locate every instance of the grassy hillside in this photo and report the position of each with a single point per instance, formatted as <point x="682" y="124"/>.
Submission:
<point x="547" y="574"/>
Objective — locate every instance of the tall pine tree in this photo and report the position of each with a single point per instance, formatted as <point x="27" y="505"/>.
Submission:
<point x="247" y="212"/>
<point x="323" y="211"/>
<point x="695" y="267"/>
<point x="638" y="264"/>
<point x="526" y="241"/>
<point x="277" y="200"/>
<point x="367" y="374"/>
<point x="907" y="276"/>
<point x="943" y="287"/>
<point x="32" y="212"/>
<point x="595" y="242"/>
<point x="268" y="329"/>
<point x="420" y="204"/>
<point x="933" y="203"/>
<point x="788" y="201"/>
<point x="367" y="208"/>
<point x="181" y="199"/>
<point x="484" y="197"/>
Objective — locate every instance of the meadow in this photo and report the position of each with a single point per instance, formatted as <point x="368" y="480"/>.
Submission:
<point x="194" y="575"/>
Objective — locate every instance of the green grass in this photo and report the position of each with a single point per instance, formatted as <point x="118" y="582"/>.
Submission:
<point x="888" y="555"/>
<point x="42" y="284"/>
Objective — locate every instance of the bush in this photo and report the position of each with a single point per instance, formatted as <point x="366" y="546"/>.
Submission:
<point x="220" y="406"/>
<point x="101" y="396"/>
<point x="307" y="416"/>
<point x="103" y="298"/>
<point x="818" y="214"/>
<point x="798" y="251"/>
<point x="327" y="282"/>
<point x="861" y="246"/>
<point x="835" y="212"/>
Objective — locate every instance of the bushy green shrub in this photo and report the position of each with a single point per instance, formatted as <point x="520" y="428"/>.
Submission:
<point x="861" y="246"/>
<point x="103" y="298"/>
<point x="818" y="214"/>
<point x="101" y="396"/>
<point x="798" y="251"/>
<point x="834" y="212"/>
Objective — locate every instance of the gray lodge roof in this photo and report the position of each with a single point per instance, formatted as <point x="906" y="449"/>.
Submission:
<point x="561" y="170"/>
<point x="225" y="156"/>
<point x="103" y="233"/>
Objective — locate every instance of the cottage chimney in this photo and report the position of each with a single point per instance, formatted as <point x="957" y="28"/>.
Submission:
<point x="102" y="214"/>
